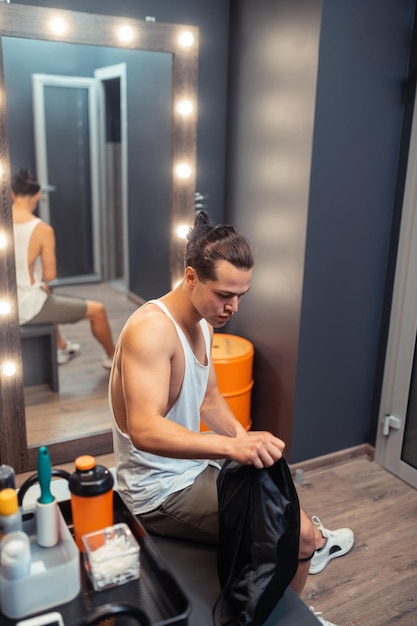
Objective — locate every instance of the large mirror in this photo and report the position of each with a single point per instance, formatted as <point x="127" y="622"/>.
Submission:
<point x="114" y="42"/>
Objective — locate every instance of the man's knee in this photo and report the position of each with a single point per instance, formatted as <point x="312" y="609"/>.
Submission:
<point x="307" y="539"/>
<point x="95" y="310"/>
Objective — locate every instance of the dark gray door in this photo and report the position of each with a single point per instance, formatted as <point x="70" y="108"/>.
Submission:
<point x="67" y="168"/>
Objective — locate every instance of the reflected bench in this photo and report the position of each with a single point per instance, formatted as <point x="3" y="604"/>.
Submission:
<point x="39" y="355"/>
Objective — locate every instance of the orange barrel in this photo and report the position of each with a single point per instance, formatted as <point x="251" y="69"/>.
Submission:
<point x="233" y="361"/>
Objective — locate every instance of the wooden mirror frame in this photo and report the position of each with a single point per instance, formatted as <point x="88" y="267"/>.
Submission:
<point x="96" y="30"/>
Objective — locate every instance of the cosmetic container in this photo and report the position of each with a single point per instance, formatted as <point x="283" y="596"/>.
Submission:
<point x="6" y="477"/>
<point x="111" y="556"/>
<point x="10" y="514"/>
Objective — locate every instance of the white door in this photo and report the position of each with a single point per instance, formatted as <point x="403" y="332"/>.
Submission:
<point x="396" y="446"/>
<point x="67" y="164"/>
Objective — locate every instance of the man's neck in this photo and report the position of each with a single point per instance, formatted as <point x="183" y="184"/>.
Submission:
<point x="179" y="304"/>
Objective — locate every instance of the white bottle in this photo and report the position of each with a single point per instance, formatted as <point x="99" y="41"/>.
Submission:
<point x="10" y="514"/>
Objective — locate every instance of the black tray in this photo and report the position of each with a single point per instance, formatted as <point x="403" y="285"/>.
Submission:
<point x="156" y="592"/>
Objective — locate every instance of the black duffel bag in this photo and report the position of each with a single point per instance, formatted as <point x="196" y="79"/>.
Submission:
<point x="259" y="531"/>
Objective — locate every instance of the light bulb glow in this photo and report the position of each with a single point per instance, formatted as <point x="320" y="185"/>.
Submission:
<point x="186" y="39"/>
<point x="3" y="241"/>
<point x="126" y="33"/>
<point x="5" y="307"/>
<point x="8" y="368"/>
<point x="58" y="26"/>
<point x="185" y="107"/>
<point x="183" y="170"/>
<point x="182" y="231"/>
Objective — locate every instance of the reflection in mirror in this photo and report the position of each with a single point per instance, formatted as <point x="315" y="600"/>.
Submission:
<point x="91" y="186"/>
<point x="113" y="65"/>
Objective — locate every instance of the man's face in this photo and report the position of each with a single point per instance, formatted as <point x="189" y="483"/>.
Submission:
<point x="217" y="300"/>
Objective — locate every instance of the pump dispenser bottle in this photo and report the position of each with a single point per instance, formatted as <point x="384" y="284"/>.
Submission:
<point x="91" y="488"/>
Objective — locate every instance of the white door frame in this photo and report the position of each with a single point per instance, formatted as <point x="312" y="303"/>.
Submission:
<point x="402" y="332"/>
<point x="39" y="82"/>
<point x="102" y="74"/>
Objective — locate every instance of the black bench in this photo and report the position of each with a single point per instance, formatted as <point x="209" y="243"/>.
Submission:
<point x="39" y="355"/>
<point x="194" y="566"/>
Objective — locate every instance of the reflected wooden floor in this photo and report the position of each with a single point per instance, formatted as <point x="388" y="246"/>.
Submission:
<point x="80" y="407"/>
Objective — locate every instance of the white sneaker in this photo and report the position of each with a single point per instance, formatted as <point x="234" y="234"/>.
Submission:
<point x="338" y="542"/>
<point x="107" y="362"/>
<point x="320" y="617"/>
<point x="70" y="351"/>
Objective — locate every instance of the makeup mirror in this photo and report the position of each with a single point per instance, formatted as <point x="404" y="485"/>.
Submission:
<point x="36" y="23"/>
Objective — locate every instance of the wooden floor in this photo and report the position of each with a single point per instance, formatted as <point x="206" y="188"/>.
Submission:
<point x="375" y="584"/>
<point x="81" y="405"/>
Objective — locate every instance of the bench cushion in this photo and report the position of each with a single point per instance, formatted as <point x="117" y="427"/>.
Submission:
<point x="195" y="567"/>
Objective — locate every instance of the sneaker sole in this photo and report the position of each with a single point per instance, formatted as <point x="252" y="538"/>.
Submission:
<point x="333" y="555"/>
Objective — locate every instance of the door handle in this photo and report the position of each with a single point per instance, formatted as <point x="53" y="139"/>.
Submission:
<point x="390" y="421"/>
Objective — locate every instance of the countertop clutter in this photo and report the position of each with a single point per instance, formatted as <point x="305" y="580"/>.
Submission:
<point x="155" y="591"/>
<point x="71" y="547"/>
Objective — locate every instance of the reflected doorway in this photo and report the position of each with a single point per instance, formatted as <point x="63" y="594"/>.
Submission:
<point x="82" y="168"/>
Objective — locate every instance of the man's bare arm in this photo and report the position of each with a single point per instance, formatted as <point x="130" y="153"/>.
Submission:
<point x="147" y="348"/>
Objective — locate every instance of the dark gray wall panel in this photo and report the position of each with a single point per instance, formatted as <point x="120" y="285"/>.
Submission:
<point x="363" y="67"/>
<point x="274" y="55"/>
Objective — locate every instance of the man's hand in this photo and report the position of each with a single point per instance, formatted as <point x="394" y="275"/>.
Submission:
<point x="260" y="449"/>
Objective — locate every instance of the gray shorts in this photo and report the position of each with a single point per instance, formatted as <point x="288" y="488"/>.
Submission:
<point x="190" y="514"/>
<point x="60" y="310"/>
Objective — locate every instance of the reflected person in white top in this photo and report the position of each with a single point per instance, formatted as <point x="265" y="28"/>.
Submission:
<point x="34" y="242"/>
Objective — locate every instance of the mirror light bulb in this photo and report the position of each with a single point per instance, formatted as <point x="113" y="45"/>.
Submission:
<point x="186" y="39"/>
<point x="3" y="241"/>
<point x="8" y="368"/>
<point x="58" y="26"/>
<point x="185" y="107"/>
<point x="182" y="231"/>
<point x="126" y="33"/>
<point x="184" y="170"/>
<point x="4" y="307"/>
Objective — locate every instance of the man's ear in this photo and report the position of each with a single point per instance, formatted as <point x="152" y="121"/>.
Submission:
<point x="190" y="276"/>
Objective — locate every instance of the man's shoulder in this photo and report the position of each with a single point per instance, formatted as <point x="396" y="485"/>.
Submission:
<point x="149" y="317"/>
<point x="150" y="330"/>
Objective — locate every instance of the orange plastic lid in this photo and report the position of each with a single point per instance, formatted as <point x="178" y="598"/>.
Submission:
<point x="85" y="462"/>
<point x="8" y="501"/>
<point x="230" y="347"/>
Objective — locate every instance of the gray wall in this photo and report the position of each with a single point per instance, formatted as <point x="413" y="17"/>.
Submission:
<point x="274" y="53"/>
<point x="314" y="314"/>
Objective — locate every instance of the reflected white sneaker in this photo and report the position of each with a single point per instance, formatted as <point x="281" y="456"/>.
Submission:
<point x="320" y="617"/>
<point x="338" y="542"/>
<point x="70" y="351"/>
<point x="107" y="362"/>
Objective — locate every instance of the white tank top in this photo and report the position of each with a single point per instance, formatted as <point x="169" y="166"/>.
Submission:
<point x="145" y="480"/>
<point x="30" y="297"/>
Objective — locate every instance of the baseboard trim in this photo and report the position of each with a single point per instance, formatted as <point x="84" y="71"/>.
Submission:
<point x="335" y="458"/>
